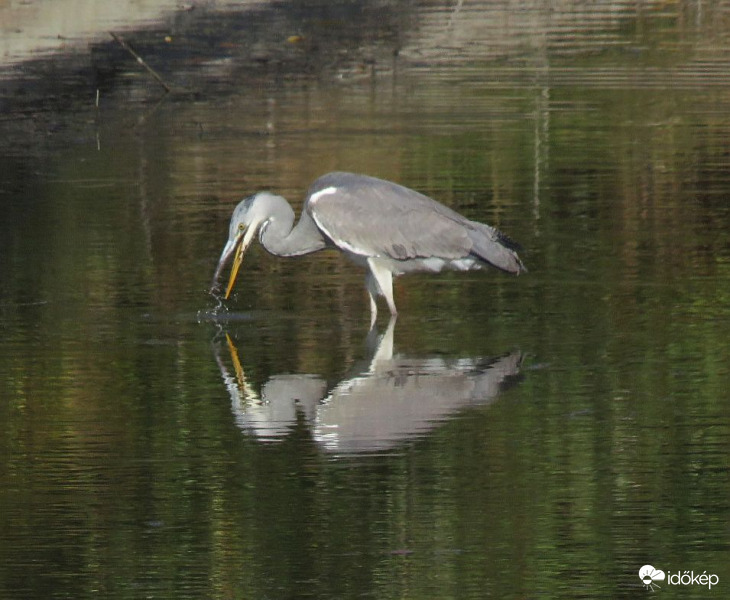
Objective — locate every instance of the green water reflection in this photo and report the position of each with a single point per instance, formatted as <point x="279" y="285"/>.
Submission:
<point x="125" y="470"/>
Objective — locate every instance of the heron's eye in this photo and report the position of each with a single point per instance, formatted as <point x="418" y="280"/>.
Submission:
<point x="240" y="227"/>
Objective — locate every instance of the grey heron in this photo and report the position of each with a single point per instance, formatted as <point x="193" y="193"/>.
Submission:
<point x="385" y="227"/>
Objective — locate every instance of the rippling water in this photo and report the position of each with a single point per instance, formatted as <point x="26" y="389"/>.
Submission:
<point x="540" y="436"/>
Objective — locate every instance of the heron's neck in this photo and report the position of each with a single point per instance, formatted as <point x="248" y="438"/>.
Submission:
<point x="279" y="238"/>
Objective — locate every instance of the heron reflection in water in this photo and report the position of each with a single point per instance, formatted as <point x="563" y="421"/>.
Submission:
<point x="385" y="227"/>
<point x="385" y="402"/>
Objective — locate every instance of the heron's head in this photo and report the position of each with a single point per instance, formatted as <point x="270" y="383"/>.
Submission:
<point x="248" y="217"/>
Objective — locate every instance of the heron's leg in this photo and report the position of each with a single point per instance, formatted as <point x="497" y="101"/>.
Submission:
<point x="373" y="290"/>
<point x="373" y="312"/>
<point x="384" y="278"/>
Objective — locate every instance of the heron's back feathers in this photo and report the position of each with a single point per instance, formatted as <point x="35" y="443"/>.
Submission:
<point x="372" y="217"/>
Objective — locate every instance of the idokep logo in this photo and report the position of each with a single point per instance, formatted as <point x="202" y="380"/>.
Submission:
<point x="649" y="577"/>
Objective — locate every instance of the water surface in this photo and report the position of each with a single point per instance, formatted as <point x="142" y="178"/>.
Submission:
<point x="545" y="435"/>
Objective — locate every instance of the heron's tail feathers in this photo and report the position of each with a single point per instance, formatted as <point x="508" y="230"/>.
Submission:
<point x="497" y="249"/>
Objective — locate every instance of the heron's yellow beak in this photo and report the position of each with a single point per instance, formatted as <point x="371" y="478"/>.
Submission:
<point x="235" y="247"/>
<point x="237" y="260"/>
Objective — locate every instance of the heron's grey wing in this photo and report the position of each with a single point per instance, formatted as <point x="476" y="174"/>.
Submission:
<point x="373" y="217"/>
<point x="492" y="246"/>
